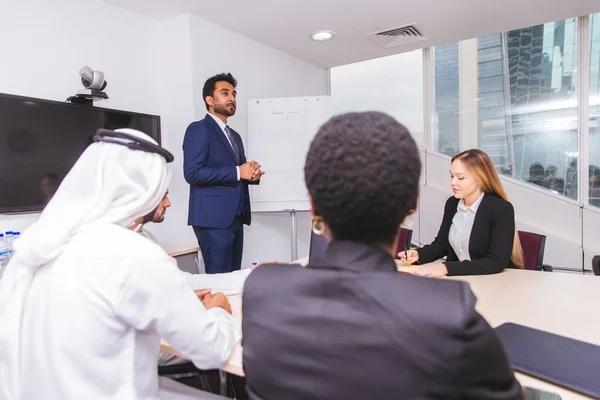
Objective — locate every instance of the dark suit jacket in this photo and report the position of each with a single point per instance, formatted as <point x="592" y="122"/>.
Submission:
<point x="209" y="167"/>
<point x="350" y="326"/>
<point x="490" y="244"/>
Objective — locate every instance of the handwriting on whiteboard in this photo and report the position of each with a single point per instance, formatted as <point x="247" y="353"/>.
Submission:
<point x="279" y="135"/>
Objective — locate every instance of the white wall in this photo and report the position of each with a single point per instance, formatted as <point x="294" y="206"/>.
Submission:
<point x="261" y="72"/>
<point x="157" y="68"/>
<point x="392" y="84"/>
<point x="45" y="43"/>
<point x="175" y="89"/>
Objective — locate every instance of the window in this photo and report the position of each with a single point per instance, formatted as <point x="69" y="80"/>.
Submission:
<point x="594" y="124"/>
<point x="521" y="89"/>
<point x="447" y="108"/>
<point x="392" y="84"/>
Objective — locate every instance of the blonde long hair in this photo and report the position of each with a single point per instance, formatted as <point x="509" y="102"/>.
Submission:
<point x="479" y="164"/>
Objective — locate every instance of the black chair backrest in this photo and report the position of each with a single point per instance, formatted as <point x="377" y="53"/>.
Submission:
<point x="596" y="265"/>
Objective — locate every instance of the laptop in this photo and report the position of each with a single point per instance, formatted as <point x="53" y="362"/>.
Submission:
<point x="560" y="360"/>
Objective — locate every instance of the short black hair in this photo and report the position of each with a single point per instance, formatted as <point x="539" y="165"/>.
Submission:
<point x="362" y="171"/>
<point x="211" y="83"/>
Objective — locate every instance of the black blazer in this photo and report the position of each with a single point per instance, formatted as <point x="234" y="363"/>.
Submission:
<point x="350" y="327"/>
<point x="491" y="242"/>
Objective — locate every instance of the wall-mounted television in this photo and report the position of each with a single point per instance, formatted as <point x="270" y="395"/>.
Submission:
<point x="40" y="140"/>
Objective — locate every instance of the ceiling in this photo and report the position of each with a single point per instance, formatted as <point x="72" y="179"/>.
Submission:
<point x="286" y="24"/>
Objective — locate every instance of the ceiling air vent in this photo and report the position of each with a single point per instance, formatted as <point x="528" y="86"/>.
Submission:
<point x="398" y="36"/>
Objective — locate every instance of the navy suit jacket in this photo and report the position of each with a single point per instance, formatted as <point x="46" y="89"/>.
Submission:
<point x="209" y="167"/>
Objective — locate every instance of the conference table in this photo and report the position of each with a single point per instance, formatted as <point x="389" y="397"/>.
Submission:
<point x="186" y="256"/>
<point x="560" y="303"/>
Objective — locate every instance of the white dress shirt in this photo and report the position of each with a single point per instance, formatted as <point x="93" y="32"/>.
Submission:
<point x="462" y="225"/>
<point x="222" y="125"/>
<point x="94" y="317"/>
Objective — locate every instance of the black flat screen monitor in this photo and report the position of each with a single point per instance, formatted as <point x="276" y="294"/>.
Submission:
<point x="40" y="140"/>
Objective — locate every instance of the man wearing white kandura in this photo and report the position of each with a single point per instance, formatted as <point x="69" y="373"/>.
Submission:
<point x="229" y="282"/>
<point x="85" y="301"/>
<point x="232" y="282"/>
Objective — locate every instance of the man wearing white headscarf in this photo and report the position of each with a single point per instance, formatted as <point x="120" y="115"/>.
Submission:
<point x="229" y="282"/>
<point x="85" y="301"/>
<point x="232" y="282"/>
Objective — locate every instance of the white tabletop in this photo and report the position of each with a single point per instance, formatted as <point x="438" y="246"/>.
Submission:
<point x="563" y="304"/>
<point x="175" y="250"/>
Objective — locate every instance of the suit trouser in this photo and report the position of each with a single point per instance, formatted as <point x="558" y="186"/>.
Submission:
<point x="221" y="248"/>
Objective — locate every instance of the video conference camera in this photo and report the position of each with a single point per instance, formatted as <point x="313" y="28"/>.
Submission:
<point x="94" y="84"/>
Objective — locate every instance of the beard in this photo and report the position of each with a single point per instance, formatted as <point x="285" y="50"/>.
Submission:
<point x="225" y="109"/>
<point x="152" y="217"/>
<point x="149" y="217"/>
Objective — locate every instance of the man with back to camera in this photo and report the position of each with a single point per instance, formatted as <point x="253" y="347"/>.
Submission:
<point x="85" y="293"/>
<point x="215" y="166"/>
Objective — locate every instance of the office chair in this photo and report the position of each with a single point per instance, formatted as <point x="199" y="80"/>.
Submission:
<point x="596" y="265"/>
<point x="533" y="246"/>
<point x="403" y="241"/>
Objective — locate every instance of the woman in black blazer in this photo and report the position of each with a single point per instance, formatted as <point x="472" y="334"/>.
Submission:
<point x="478" y="234"/>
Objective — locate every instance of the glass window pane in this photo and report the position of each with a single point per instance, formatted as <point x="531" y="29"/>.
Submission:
<point x="594" y="149"/>
<point x="447" y="106"/>
<point x="525" y="99"/>
<point x="535" y="135"/>
<point x="392" y="84"/>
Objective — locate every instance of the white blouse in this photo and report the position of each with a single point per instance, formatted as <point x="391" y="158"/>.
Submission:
<point x="462" y="225"/>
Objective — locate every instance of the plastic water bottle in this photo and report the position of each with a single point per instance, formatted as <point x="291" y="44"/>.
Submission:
<point x="16" y="235"/>
<point x="3" y="254"/>
<point x="8" y="237"/>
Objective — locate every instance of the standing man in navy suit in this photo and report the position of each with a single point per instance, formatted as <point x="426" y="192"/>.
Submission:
<point x="215" y="166"/>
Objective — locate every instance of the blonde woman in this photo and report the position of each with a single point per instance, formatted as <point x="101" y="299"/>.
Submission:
<point x="478" y="234"/>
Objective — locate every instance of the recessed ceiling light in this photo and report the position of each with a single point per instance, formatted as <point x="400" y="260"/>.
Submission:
<point x="321" y="36"/>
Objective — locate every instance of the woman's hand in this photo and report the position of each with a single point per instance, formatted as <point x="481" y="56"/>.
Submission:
<point x="432" y="271"/>
<point x="409" y="256"/>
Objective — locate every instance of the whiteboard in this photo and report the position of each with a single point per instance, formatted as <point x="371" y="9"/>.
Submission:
<point x="279" y="133"/>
